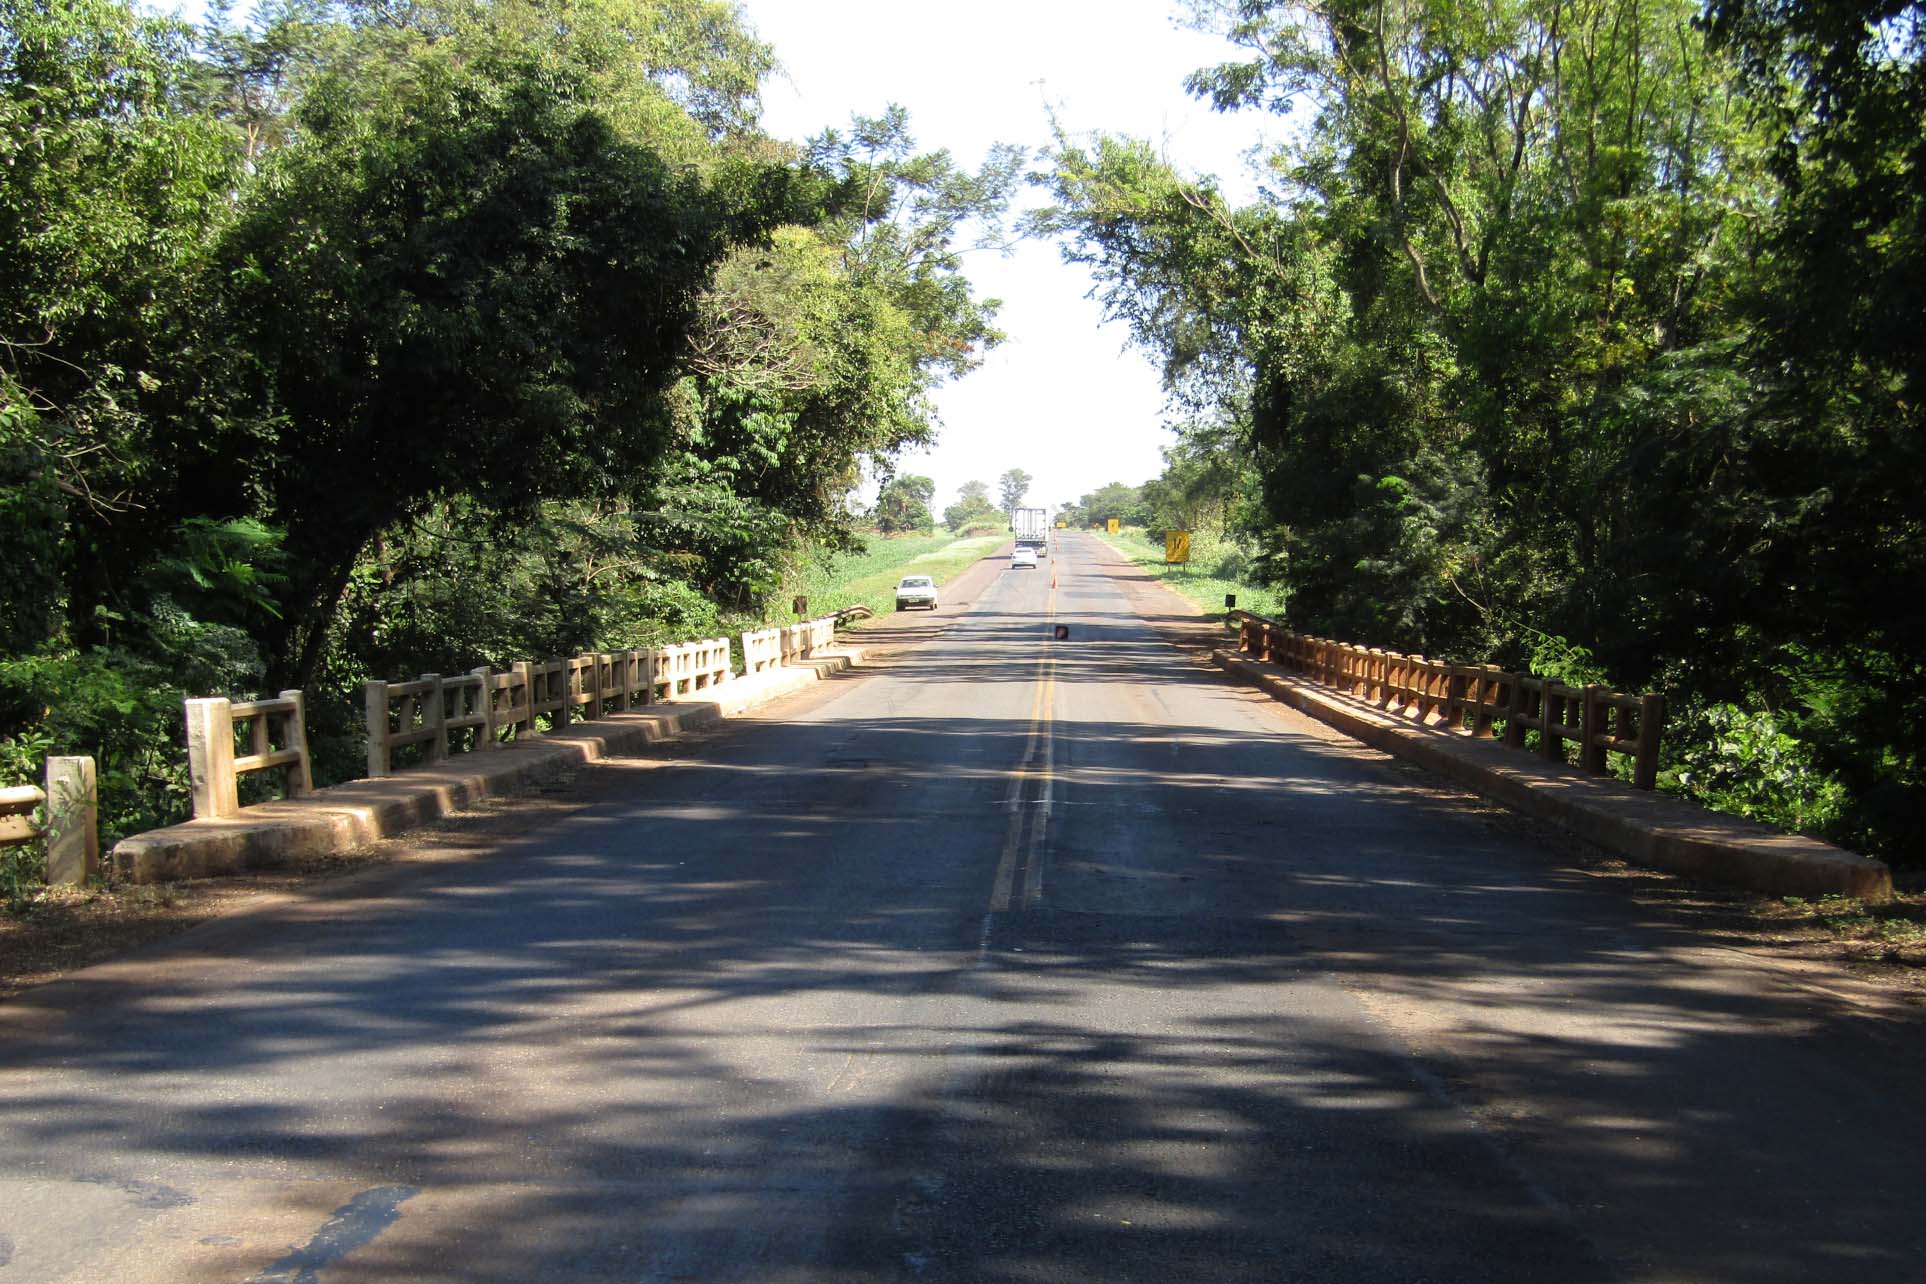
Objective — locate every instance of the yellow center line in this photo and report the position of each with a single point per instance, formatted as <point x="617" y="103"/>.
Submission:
<point x="1041" y="736"/>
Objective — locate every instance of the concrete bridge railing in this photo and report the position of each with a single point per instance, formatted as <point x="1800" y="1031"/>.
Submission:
<point x="1471" y="698"/>
<point x="783" y="643"/>
<point x="475" y="711"/>
<point x="66" y="815"/>
<point x="277" y="734"/>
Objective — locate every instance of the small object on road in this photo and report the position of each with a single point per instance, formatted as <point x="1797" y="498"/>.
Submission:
<point x="1062" y="633"/>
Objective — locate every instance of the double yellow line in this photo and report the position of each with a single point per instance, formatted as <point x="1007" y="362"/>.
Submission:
<point x="1019" y="870"/>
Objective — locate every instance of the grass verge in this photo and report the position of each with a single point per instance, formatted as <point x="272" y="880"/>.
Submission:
<point x="869" y="579"/>
<point x="1217" y="566"/>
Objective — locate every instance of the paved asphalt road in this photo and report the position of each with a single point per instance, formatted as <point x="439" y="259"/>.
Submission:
<point x="1013" y="961"/>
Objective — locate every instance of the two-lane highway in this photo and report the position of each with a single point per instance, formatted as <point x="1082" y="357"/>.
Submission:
<point x="1015" y="960"/>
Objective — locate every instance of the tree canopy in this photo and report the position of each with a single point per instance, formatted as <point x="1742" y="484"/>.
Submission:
<point x="1568" y="337"/>
<point x="349" y="340"/>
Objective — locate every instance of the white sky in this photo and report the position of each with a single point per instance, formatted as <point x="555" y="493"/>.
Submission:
<point x="1062" y="399"/>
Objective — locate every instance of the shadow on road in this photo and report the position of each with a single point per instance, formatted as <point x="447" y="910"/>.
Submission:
<point x="629" y="1046"/>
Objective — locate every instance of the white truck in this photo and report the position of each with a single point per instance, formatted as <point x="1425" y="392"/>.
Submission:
<point x="1032" y="529"/>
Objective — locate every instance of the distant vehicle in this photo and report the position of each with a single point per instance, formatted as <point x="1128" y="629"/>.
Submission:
<point x="1023" y="558"/>
<point x="1032" y="528"/>
<point x="915" y="590"/>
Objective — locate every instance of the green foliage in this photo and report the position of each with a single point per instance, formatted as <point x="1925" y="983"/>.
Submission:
<point x="1217" y="566"/>
<point x="868" y="577"/>
<point x="1011" y="487"/>
<point x="351" y="342"/>
<point x="1516" y="354"/>
<point x="23" y="867"/>
<point x="1745" y="763"/>
<point x="122" y="705"/>
<point x="1125" y="503"/>
<point x="30" y="518"/>
<point x="903" y="505"/>
<point x="511" y="324"/>
<point x="972" y="511"/>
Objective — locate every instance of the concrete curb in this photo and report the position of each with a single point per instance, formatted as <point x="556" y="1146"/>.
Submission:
<point x="1652" y="829"/>
<point x="343" y="817"/>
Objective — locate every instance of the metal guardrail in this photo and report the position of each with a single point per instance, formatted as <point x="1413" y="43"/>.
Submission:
<point x="1471" y="699"/>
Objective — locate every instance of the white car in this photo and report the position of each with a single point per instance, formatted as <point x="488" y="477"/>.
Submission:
<point x="915" y="590"/>
<point x="1024" y="556"/>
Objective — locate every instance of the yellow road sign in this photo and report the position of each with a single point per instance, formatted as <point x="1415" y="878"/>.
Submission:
<point x="1112" y="525"/>
<point x="1176" y="546"/>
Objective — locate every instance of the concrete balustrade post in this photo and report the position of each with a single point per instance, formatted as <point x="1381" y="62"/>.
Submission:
<point x="434" y="717"/>
<point x="1457" y="696"/>
<point x="300" y="773"/>
<point x="210" y="758"/>
<point x="1593" y="721"/>
<point x="73" y="821"/>
<point x="1515" y="712"/>
<point x="377" y="698"/>
<point x="565" y="713"/>
<point x="485" y="708"/>
<point x="1551" y="741"/>
<point x="1489" y="679"/>
<point x="524" y="677"/>
<point x="1651" y="723"/>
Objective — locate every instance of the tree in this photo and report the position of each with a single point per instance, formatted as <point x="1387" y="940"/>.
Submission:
<point x="815" y="350"/>
<point x="1118" y="501"/>
<point x="972" y="507"/>
<point x="341" y="342"/>
<point x="903" y="505"/>
<point x="1012" y="487"/>
<point x="115" y="193"/>
<point x="1827" y="503"/>
<point x="1546" y="346"/>
<point x="1207" y="480"/>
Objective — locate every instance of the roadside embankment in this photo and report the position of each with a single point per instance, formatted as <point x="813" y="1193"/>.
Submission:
<point x="343" y="817"/>
<point x="1652" y="829"/>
